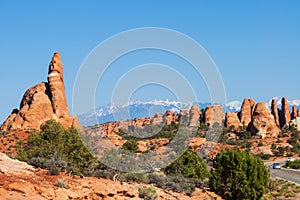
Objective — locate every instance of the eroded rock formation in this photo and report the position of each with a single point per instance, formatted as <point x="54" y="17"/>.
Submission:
<point x="294" y="112"/>
<point x="285" y="116"/>
<point x="232" y="120"/>
<point x="195" y="116"/>
<point x="274" y="111"/>
<point x="214" y="114"/>
<point x="42" y="102"/>
<point x="246" y="111"/>
<point x="263" y="123"/>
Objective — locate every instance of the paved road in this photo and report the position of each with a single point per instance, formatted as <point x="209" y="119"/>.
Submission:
<point x="287" y="174"/>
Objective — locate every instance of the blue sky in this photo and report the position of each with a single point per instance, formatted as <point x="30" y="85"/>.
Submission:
<point x="255" y="44"/>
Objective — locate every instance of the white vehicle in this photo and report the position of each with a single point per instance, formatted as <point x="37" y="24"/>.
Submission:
<point x="290" y="159"/>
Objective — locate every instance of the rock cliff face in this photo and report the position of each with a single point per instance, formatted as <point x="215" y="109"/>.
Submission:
<point x="263" y="123"/>
<point x="246" y="111"/>
<point x="42" y="102"/>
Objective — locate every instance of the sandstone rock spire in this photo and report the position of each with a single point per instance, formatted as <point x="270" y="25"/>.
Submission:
<point x="274" y="111"/>
<point x="298" y="112"/>
<point x="42" y="102"/>
<point x="246" y="111"/>
<point x="194" y="116"/>
<point x="285" y="117"/>
<point x="57" y="87"/>
<point x="294" y="112"/>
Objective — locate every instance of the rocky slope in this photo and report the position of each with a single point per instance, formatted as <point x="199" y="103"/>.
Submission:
<point x="42" y="102"/>
<point x="21" y="181"/>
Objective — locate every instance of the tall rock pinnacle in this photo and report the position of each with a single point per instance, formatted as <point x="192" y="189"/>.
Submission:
<point x="294" y="112"/>
<point x="285" y="117"/>
<point x="246" y="111"/>
<point x="43" y="102"/>
<point x="275" y="112"/>
<point x="57" y="87"/>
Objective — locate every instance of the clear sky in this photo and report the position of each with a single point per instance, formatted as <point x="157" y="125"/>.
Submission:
<point x="255" y="44"/>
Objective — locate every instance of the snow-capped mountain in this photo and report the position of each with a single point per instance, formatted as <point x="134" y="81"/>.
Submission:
<point x="140" y="109"/>
<point x="234" y="106"/>
<point x="131" y="110"/>
<point x="295" y="102"/>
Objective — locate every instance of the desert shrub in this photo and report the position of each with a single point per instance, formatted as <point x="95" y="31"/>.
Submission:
<point x="278" y="141"/>
<point x="55" y="165"/>
<point x="280" y="151"/>
<point x="244" y="143"/>
<point x="296" y="148"/>
<point x="57" y="149"/>
<point x="189" y="165"/>
<point x="61" y="183"/>
<point x="2" y="133"/>
<point x="134" y="177"/>
<point x="281" y="189"/>
<point x="131" y="146"/>
<point x="176" y="184"/>
<point x="222" y="138"/>
<point x="166" y="131"/>
<point x="264" y="156"/>
<point x="293" y="164"/>
<point x="239" y="175"/>
<point x="245" y="135"/>
<point x="148" y="193"/>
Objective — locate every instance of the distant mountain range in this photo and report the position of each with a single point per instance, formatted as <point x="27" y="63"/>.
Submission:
<point x="139" y="109"/>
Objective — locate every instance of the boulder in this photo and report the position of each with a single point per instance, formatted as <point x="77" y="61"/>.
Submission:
<point x="42" y="102"/>
<point x="263" y="122"/>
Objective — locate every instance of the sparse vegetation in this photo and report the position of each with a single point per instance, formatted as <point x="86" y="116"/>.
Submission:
<point x="58" y="150"/>
<point x="281" y="188"/>
<point x="148" y="193"/>
<point x="166" y="131"/>
<point x="189" y="165"/>
<point x="61" y="183"/>
<point x="239" y="175"/>
<point x="293" y="164"/>
<point x="131" y="146"/>
<point x="264" y="156"/>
